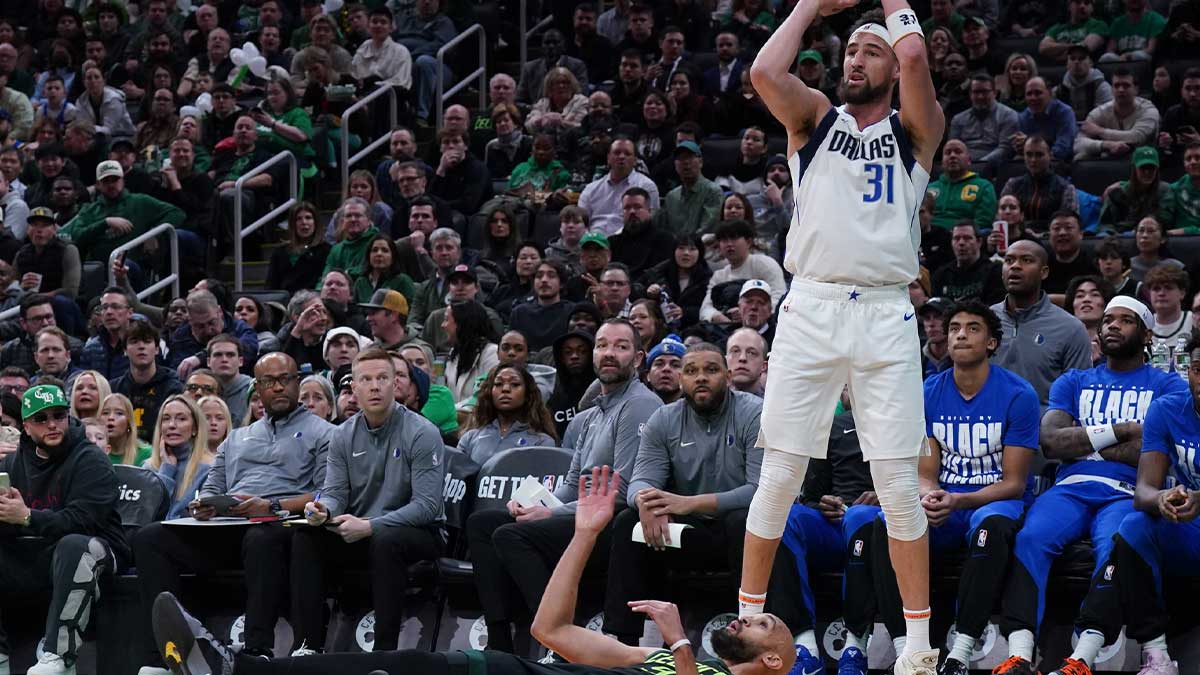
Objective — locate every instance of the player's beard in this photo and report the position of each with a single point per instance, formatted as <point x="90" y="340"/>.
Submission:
<point x="1127" y="348"/>
<point x="868" y="93"/>
<point x="733" y="648"/>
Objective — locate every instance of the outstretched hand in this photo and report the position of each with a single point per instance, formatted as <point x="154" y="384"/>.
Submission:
<point x="596" y="500"/>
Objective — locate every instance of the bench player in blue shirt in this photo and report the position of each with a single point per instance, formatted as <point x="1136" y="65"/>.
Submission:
<point x="1161" y="538"/>
<point x="982" y="425"/>
<point x="1094" y="425"/>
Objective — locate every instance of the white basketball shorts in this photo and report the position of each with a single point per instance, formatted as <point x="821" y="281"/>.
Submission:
<point x="830" y="335"/>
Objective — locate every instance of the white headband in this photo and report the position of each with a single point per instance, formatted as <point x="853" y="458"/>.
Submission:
<point x="1134" y="305"/>
<point x="875" y="29"/>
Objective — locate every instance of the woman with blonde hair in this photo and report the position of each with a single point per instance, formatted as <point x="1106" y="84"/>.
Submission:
<point x="124" y="446"/>
<point x="217" y="420"/>
<point x="180" y="451"/>
<point x="562" y="105"/>
<point x="88" y="391"/>
<point x="1010" y="85"/>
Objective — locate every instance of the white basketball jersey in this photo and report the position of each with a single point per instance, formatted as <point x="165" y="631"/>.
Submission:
<point x="857" y="196"/>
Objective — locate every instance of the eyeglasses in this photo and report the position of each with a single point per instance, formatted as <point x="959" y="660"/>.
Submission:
<point x="270" y="382"/>
<point x="206" y="388"/>
<point x="42" y="418"/>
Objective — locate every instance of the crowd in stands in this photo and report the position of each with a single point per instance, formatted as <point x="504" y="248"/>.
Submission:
<point x="592" y="261"/>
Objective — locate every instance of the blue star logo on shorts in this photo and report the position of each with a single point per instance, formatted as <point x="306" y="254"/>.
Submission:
<point x="854" y="295"/>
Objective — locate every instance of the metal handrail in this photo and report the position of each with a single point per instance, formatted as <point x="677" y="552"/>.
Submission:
<point x="171" y="279"/>
<point x="347" y="160"/>
<point x="294" y="190"/>
<point x="526" y="33"/>
<point x="480" y="72"/>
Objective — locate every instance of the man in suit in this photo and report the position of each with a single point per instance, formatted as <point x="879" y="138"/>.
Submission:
<point x="726" y="76"/>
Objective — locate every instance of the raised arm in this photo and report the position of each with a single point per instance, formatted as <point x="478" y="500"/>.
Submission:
<point x="795" y="105"/>
<point x="554" y="625"/>
<point x="920" y="113"/>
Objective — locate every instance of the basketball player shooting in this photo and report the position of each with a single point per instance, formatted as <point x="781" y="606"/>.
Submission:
<point x="860" y="171"/>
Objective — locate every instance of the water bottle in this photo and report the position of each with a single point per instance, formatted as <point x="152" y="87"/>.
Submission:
<point x="1183" y="360"/>
<point x="1160" y="357"/>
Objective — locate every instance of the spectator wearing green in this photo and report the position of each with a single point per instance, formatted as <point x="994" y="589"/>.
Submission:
<point x="942" y="15"/>
<point x="959" y="193"/>
<point x="1133" y="36"/>
<point x="1185" y="194"/>
<point x="693" y="205"/>
<point x="542" y="172"/>
<point x="287" y="126"/>
<point x="382" y="269"/>
<point x="350" y="253"/>
<point x="1080" y="28"/>
<point x="437" y="403"/>
<point x="116" y="216"/>
<point x="1144" y="194"/>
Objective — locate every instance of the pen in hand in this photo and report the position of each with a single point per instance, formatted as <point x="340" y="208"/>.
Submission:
<point x="316" y="498"/>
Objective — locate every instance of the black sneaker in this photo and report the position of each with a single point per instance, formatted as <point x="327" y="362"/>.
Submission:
<point x="953" y="667"/>
<point x="184" y="644"/>
<point x="1015" y="665"/>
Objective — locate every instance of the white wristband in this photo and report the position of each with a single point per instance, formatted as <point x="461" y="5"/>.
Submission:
<point x="902" y="22"/>
<point x="681" y="643"/>
<point x="1101" y="436"/>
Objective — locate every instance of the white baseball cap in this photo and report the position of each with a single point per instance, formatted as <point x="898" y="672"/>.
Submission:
<point x="755" y="285"/>
<point x="109" y="168"/>
<point x="1134" y="305"/>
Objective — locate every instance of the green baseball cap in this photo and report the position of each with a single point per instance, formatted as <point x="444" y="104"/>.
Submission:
<point x="1145" y="156"/>
<point x="596" y="238"/>
<point x="810" y="55"/>
<point x="39" y="398"/>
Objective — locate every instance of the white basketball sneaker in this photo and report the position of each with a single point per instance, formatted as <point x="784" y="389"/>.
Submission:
<point x="917" y="663"/>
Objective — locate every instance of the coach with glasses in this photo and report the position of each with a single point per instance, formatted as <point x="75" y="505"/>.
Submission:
<point x="275" y="464"/>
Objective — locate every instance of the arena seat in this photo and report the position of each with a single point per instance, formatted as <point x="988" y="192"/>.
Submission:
<point x="720" y="155"/>
<point x="1094" y="175"/>
<point x="1009" y="45"/>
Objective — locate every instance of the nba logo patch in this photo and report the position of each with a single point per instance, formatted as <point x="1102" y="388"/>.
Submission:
<point x="548" y="481"/>
<point x="729" y="439"/>
<point x="1039" y="339"/>
<point x="1108" y="572"/>
<point x="787" y="306"/>
<point x="981" y="541"/>
<point x="396" y="453"/>
<point x="858" y="548"/>
<point x="522" y="441"/>
<point x="298" y="434"/>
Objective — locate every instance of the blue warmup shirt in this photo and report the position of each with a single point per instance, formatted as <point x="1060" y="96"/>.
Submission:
<point x="1101" y="396"/>
<point x="1172" y="427"/>
<point x="973" y="432"/>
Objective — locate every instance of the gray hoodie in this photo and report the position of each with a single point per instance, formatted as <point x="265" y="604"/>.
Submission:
<point x="1083" y="97"/>
<point x="1040" y="343"/>
<point x="687" y="453"/>
<point x="281" y="458"/>
<point x="391" y="475"/>
<point x="607" y="433"/>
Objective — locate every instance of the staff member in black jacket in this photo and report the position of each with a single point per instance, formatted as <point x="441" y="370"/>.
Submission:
<point x="64" y="492"/>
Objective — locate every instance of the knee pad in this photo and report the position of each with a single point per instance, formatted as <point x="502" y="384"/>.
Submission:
<point x="898" y="489"/>
<point x="779" y="484"/>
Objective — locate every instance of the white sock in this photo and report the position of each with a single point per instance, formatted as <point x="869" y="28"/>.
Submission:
<point x="808" y="640"/>
<point x="963" y="646"/>
<point x="1020" y="643"/>
<point x="853" y="640"/>
<point x="1158" y="644"/>
<point x="1090" y="644"/>
<point x="751" y="603"/>
<point x="916" y="625"/>
<point x="898" y="644"/>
